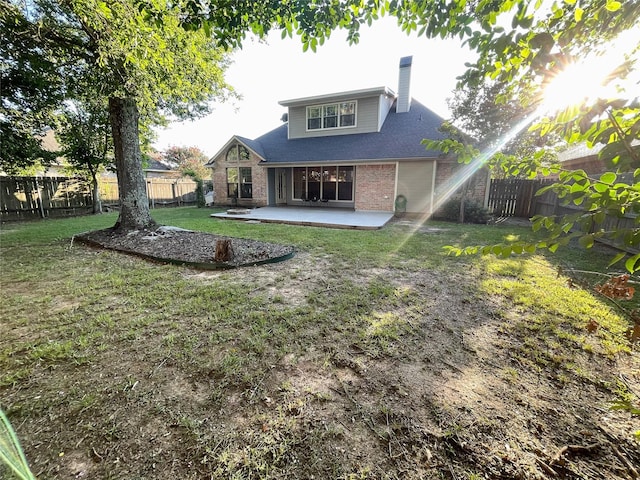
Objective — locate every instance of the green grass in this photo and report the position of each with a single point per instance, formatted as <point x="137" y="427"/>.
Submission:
<point x="96" y="345"/>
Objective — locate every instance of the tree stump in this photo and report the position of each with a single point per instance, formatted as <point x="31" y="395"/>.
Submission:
<point x="224" y="250"/>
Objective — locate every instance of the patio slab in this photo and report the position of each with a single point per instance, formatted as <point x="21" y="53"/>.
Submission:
<point x="318" y="217"/>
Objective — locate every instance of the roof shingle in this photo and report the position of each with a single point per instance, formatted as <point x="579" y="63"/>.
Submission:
<point x="399" y="138"/>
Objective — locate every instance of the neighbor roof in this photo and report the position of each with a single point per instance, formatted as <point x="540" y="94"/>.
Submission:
<point x="155" y="165"/>
<point x="399" y="138"/>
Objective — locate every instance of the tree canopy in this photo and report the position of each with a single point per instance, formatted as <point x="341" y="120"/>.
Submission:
<point x="190" y="161"/>
<point x="88" y="48"/>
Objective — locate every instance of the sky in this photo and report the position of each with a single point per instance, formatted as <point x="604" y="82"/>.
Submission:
<point x="266" y="72"/>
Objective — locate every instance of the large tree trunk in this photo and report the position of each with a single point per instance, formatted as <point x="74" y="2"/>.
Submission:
<point x="132" y="189"/>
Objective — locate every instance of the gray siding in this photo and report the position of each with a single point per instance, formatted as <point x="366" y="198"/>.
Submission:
<point x="415" y="182"/>
<point x="404" y="89"/>
<point x="385" y="105"/>
<point x="367" y="116"/>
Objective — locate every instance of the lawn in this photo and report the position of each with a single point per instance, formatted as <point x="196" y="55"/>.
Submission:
<point x="370" y="354"/>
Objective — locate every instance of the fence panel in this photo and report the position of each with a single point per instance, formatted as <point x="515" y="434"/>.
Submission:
<point x="513" y="197"/>
<point x="162" y="192"/>
<point x="24" y="198"/>
<point x="40" y="197"/>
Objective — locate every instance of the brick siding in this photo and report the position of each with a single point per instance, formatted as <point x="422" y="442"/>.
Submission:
<point x="478" y="185"/>
<point x="375" y="187"/>
<point x="258" y="179"/>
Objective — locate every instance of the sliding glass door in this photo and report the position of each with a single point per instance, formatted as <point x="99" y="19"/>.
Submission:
<point x="326" y="183"/>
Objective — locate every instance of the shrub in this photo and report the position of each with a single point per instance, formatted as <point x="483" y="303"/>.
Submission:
<point x="474" y="212"/>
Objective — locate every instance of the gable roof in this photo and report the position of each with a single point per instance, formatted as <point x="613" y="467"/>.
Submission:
<point x="250" y="144"/>
<point x="399" y="138"/>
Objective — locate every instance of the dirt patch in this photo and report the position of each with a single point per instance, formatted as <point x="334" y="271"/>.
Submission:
<point x="174" y="245"/>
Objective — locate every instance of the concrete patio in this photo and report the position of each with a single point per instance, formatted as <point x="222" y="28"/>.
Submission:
<point x="317" y="217"/>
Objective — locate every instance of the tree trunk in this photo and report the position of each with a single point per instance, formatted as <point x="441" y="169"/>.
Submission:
<point x="224" y="250"/>
<point x="97" y="203"/>
<point x="132" y="188"/>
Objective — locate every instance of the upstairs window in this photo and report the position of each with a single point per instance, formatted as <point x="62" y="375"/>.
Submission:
<point x="332" y="115"/>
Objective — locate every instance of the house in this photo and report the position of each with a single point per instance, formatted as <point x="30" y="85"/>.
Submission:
<point x="582" y="157"/>
<point x="356" y="149"/>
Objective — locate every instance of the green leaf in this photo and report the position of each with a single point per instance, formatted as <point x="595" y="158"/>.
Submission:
<point x="599" y="187"/>
<point x="566" y="228"/>
<point x="608" y="177"/>
<point x="633" y="263"/>
<point x="576" y="187"/>
<point x="617" y="258"/>
<point x="577" y="14"/>
<point x="586" y="241"/>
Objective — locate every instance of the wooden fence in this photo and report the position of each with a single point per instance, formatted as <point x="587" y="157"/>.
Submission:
<point x="517" y="198"/>
<point x="514" y="197"/>
<point x="33" y="197"/>
<point x="42" y="197"/>
<point x="162" y="192"/>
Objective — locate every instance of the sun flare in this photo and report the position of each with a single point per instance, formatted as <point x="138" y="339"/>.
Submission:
<point x="594" y="76"/>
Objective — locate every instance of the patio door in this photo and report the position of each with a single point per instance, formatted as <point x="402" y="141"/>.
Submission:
<point x="281" y="186"/>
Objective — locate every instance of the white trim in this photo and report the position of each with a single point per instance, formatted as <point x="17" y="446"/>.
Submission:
<point x="433" y="187"/>
<point x="336" y="97"/>
<point x="210" y="163"/>
<point x="395" y="187"/>
<point x="366" y="161"/>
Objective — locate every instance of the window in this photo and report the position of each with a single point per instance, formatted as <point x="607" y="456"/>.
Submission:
<point x="246" y="185"/>
<point x="314" y="119"/>
<point x="239" y="181"/>
<point x="334" y="115"/>
<point x="232" y="182"/>
<point x="236" y="153"/>
<point x="323" y="183"/>
<point x="330" y="116"/>
<point x="348" y="114"/>
<point x="345" y="183"/>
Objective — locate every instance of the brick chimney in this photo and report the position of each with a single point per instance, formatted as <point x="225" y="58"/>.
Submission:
<point x="404" y="86"/>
